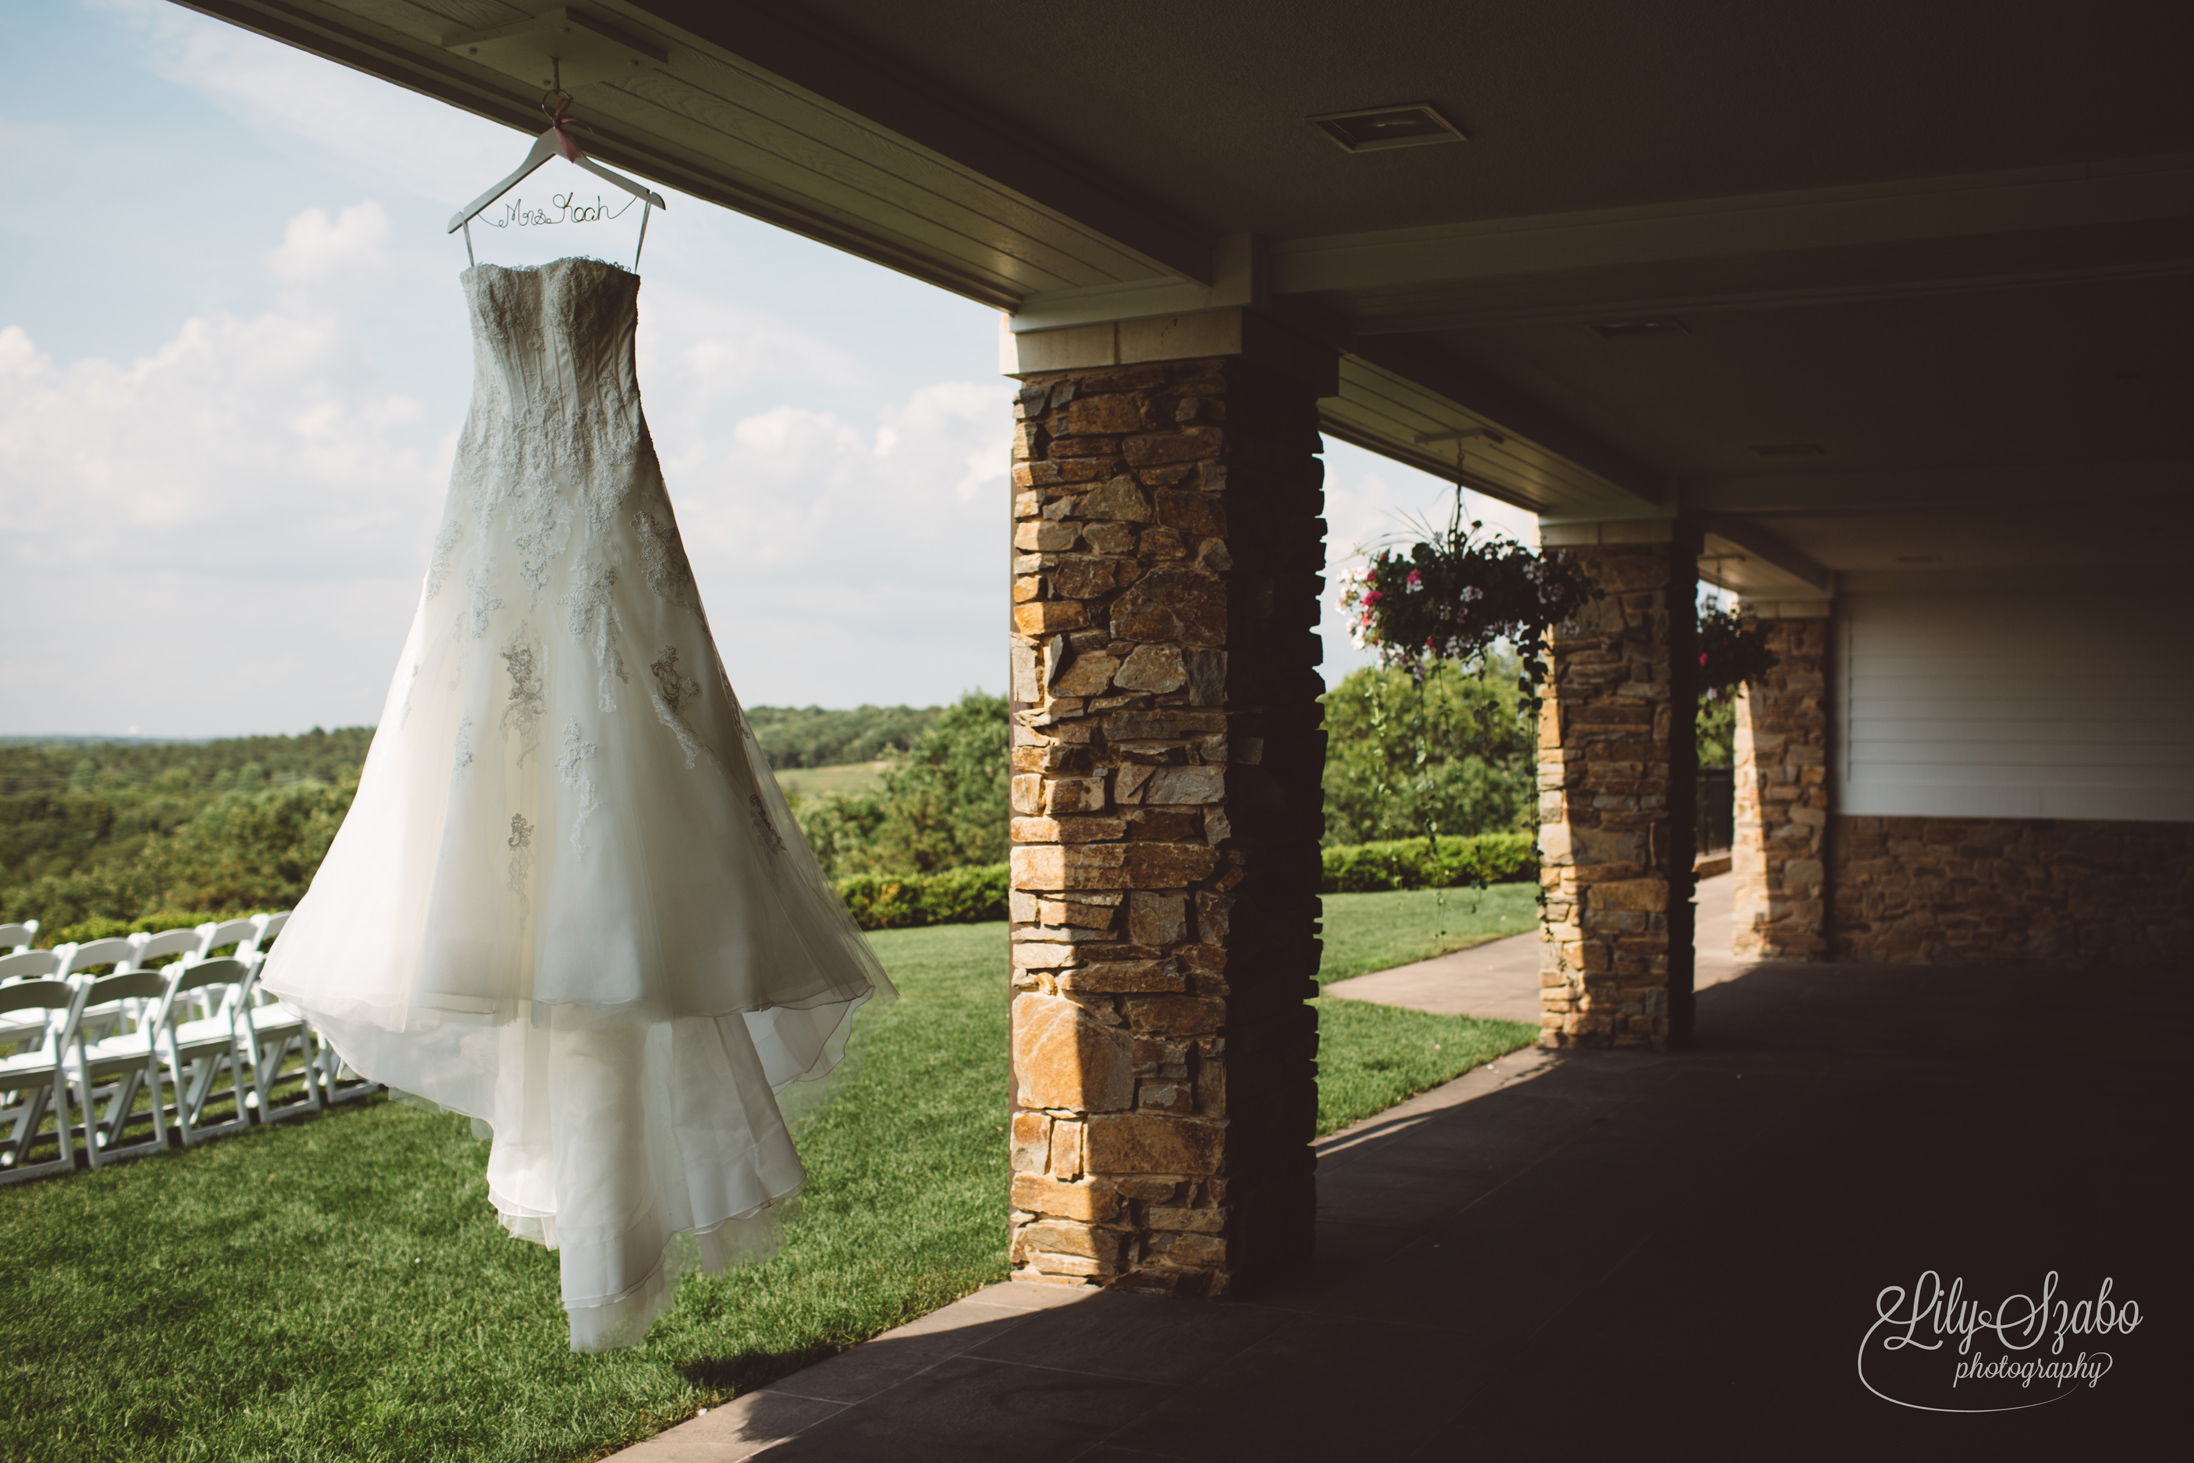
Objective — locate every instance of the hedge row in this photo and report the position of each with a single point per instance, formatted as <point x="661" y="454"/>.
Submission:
<point x="1413" y="863"/>
<point x="949" y="897"/>
<point x="101" y="927"/>
<point x="963" y="896"/>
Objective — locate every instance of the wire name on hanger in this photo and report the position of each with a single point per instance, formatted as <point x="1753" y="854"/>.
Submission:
<point x="563" y="209"/>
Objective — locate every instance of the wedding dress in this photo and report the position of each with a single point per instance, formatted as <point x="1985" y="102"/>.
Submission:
<point x="568" y="899"/>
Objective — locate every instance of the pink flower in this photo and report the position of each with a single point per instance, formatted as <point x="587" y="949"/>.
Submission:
<point x="1416" y="580"/>
<point x="1372" y="597"/>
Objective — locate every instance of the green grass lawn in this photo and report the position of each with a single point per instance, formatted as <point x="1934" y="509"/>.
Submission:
<point x="338" y="1288"/>
<point x="850" y="779"/>
<point x="1367" y="932"/>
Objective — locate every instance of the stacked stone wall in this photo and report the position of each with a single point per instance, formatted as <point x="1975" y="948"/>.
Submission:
<point x="1780" y="852"/>
<point x="1617" y="778"/>
<point x="1955" y="891"/>
<point x="1166" y="802"/>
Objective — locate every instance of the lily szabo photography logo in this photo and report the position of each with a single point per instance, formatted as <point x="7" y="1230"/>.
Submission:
<point x="1936" y="1349"/>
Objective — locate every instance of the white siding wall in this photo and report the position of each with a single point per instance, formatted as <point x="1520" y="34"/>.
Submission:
<point x="1981" y="699"/>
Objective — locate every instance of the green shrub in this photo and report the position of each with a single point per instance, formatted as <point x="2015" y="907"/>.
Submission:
<point x="105" y="927"/>
<point x="1410" y="863"/>
<point x="950" y="897"/>
<point x="941" y="806"/>
<point x="1452" y="755"/>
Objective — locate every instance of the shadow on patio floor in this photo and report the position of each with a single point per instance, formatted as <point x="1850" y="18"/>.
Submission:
<point x="1657" y="1253"/>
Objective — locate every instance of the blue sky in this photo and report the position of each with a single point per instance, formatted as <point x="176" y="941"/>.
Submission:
<point x="233" y="363"/>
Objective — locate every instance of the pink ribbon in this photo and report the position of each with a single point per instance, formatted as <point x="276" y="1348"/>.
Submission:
<point x="565" y="142"/>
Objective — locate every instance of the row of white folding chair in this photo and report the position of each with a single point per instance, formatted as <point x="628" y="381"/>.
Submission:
<point x="251" y="935"/>
<point x="151" y="1035"/>
<point x="16" y="938"/>
<point x="99" y="1077"/>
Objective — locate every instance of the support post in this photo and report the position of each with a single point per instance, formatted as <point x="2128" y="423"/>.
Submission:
<point x="1780" y="849"/>
<point x="1167" y="757"/>
<point x="1618" y="773"/>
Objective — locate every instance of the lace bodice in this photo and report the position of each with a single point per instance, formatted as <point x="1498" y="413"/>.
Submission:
<point x="560" y="334"/>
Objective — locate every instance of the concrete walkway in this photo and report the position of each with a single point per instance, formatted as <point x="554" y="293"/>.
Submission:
<point x="1670" y="1255"/>
<point x="1499" y="980"/>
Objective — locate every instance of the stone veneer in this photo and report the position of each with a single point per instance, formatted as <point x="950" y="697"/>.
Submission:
<point x="1167" y="805"/>
<point x="1618" y="753"/>
<point x="1780" y="854"/>
<point x="1953" y="891"/>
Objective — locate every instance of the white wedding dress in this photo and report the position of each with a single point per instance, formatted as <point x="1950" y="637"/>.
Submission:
<point x="568" y="899"/>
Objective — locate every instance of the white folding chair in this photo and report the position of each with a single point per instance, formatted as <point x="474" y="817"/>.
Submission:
<point x="115" y="1067"/>
<point x="271" y="1032"/>
<point x="33" y="1083"/>
<point x="217" y="934"/>
<point x="156" y="951"/>
<point x="80" y="963"/>
<point x="30" y="965"/>
<point x="21" y="966"/>
<point x="17" y="937"/>
<point x="264" y="927"/>
<point x="25" y="965"/>
<point x="199" y="1049"/>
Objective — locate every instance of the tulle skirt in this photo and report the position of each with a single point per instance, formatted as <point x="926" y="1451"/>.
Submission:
<point x="610" y="948"/>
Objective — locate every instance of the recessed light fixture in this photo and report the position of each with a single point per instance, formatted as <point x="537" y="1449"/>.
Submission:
<point x="1372" y="129"/>
<point x="1637" y="329"/>
<point x="1788" y="449"/>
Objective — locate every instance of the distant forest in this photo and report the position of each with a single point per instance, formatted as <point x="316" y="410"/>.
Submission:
<point x="810" y="736"/>
<point x="111" y="833"/>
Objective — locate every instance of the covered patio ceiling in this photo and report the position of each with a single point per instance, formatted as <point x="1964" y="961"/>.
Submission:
<point x="1888" y="287"/>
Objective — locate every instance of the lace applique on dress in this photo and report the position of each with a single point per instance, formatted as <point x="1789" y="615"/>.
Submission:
<point x="571" y="767"/>
<point x="675" y="687"/>
<point x="673" y="690"/>
<point x="521" y="860"/>
<point x="484" y="606"/>
<point x="464" y="747"/>
<point x="522" y="708"/>
<point x="445" y="544"/>
<point x="592" y="619"/>
<point x="764" y="827"/>
<point x="543" y="538"/>
<point x="663" y="560"/>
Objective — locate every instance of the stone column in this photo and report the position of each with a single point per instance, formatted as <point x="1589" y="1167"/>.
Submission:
<point x="1618" y="771"/>
<point x="1780" y="851"/>
<point x="1167" y="806"/>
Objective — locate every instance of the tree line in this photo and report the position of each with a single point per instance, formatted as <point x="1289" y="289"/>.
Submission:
<point x="135" y="830"/>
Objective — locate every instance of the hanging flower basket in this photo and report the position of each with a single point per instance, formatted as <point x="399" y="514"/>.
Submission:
<point x="1453" y="596"/>
<point x="1732" y="651"/>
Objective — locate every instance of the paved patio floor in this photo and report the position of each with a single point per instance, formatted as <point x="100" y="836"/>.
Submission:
<point x="1499" y="980"/>
<point x="1670" y="1255"/>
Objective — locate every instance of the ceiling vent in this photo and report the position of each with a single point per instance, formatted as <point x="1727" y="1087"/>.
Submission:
<point x="1373" y="129"/>
<point x="1788" y="449"/>
<point x="1654" y="325"/>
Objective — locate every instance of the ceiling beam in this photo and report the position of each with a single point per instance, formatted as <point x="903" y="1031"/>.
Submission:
<point x="1990" y="230"/>
<point x="1768" y="549"/>
<point x="2093" y="485"/>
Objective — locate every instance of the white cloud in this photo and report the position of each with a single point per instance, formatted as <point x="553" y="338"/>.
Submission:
<point x="841" y="566"/>
<point x="243" y="439"/>
<point x="315" y="247"/>
<point x="225" y="534"/>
